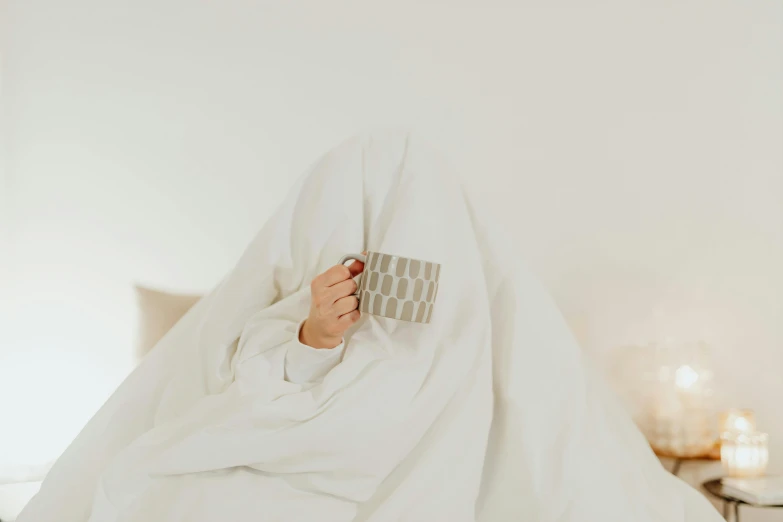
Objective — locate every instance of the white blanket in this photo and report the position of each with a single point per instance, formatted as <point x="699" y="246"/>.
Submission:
<point x="489" y="413"/>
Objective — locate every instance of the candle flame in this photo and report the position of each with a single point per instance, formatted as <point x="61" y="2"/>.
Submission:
<point x="742" y="424"/>
<point x="685" y="377"/>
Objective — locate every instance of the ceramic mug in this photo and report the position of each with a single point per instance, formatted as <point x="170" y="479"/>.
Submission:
<point x="397" y="287"/>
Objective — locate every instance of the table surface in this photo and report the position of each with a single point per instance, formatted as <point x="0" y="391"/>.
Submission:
<point x="715" y="488"/>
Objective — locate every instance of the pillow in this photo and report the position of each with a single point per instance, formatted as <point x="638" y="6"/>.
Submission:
<point x="158" y="311"/>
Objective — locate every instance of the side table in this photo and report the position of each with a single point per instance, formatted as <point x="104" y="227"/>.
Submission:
<point x="731" y="504"/>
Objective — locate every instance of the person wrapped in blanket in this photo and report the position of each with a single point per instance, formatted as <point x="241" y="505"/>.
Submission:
<point x="274" y="399"/>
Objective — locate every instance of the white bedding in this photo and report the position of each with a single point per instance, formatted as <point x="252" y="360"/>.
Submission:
<point x="489" y="413"/>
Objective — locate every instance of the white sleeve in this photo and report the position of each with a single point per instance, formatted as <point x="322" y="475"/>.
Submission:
<point x="306" y="364"/>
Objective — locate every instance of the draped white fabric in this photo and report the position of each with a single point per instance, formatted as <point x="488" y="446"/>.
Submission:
<point x="489" y="413"/>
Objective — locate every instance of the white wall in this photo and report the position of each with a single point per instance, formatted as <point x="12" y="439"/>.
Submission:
<point x="5" y="191"/>
<point x="5" y="180"/>
<point x="151" y="139"/>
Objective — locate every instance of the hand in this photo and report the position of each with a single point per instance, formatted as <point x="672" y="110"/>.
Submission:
<point x="333" y="307"/>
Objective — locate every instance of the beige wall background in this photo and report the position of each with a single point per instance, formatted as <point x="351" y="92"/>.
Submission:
<point x="631" y="149"/>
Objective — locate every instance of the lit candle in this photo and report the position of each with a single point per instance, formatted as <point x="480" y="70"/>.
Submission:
<point x="738" y="421"/>
<point x="683" y="424"/>
<point x="744" y="454"/>
<point x="679" y="419"/>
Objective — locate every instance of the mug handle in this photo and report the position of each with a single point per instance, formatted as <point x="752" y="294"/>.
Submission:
<point x="357" y="257"/>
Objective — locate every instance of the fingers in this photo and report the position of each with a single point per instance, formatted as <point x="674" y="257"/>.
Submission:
<point x="336" y="274"/>
<point x="339" y="273"/>
<point x="346" y="305"/>
<point x="343" y="289"/>
<point x="345" y="321"/>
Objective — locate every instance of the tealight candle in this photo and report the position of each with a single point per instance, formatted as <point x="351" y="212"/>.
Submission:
<point x="744" y="454"/>
<point x="738" y="421"/>
<point x="679" y="420"/>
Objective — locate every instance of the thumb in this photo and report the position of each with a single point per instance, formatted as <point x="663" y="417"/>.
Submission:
<point x="356" y="268"/>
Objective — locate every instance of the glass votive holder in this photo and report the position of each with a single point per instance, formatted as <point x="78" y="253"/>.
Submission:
<point x="744" y="454"/>
<point x="737" y="421"/>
